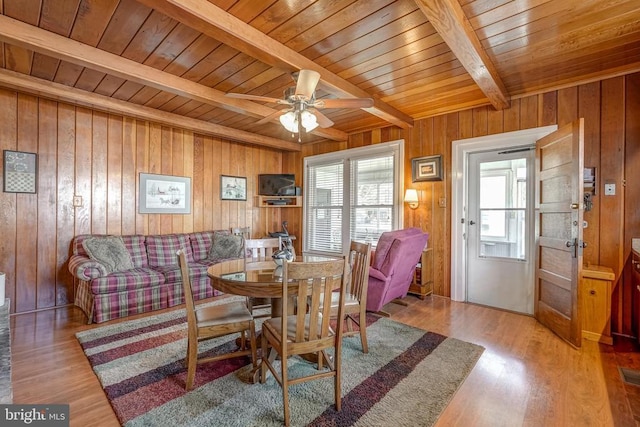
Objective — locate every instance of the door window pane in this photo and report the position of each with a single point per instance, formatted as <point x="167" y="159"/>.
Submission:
<point x="502" y="209"/>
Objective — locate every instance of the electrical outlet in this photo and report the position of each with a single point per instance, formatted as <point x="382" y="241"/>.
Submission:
<point x="77" y="201"/>
<point x="442" y="202"/>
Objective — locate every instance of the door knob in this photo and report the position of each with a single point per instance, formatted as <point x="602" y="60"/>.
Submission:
<point x="472" y="222"/>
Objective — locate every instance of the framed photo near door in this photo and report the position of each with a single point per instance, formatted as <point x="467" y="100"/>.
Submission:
<point x="427" y="168"/>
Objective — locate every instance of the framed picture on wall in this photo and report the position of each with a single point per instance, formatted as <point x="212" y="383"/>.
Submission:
<point x="20" y="172"/>
<point x="427" y="168"/>
<point x="233" y="187"/>
<point x="164" y="194"/>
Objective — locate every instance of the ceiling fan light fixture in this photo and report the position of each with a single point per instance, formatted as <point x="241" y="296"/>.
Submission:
<point x="290" y="121"/>
<point x="309" y="120"/>
<point x="301" y="97"/>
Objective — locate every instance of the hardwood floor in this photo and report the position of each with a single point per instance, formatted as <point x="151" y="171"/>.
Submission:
<point x="526" y="377"/>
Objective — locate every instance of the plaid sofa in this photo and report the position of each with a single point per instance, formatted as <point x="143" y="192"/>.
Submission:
<point x="154" y="282"/>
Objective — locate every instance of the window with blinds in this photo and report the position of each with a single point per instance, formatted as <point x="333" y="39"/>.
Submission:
<point x="352" y="195"/>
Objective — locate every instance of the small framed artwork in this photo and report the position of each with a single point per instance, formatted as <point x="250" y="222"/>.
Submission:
<point x="427" y="168"/>
<point x="20" y="172"/>
<point x="164" y="194"/>
<point x="233" y="187"/>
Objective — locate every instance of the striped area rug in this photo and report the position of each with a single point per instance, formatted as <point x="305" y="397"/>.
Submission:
<point x="406" y="379"/>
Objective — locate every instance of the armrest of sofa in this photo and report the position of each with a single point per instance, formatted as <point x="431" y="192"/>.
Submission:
<point x="85" y="268"/>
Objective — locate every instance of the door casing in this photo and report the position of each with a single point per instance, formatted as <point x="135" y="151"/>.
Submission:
<point x="460" y="152"/>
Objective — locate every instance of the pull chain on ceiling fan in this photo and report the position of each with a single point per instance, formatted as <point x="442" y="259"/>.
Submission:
<point x="304" y="113"/>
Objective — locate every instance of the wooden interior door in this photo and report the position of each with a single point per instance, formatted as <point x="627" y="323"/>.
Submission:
<point x="559" y="210"/>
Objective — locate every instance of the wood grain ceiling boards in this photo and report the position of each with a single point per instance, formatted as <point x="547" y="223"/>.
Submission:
<point x="414" y="58"/>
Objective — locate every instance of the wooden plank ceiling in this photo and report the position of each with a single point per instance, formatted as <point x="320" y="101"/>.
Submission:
<point x="174" y="60"/>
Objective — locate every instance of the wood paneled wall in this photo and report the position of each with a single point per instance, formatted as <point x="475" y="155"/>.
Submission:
<point x="99" y="156"/>
<point x="611" y="109"/>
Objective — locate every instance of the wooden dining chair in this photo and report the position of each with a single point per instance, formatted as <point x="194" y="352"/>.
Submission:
<point x="307" y="331"/>
<point x="245" y="232"/>
<point x="261" y="249"/>
<point x="212" y="322"/>
<point x="356" y="293"/>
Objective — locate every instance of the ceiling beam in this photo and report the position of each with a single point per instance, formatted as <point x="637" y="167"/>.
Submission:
<point x="60" y="92"/>
<point x="215" y="22"/>
<point x="54" y="45"/>
<point x="51" y="44"/>
<point x="449" y="20"/>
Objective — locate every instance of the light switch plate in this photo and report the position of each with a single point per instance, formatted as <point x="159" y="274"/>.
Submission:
<point x="77" y="201"/>
<point x="609" y="189"/>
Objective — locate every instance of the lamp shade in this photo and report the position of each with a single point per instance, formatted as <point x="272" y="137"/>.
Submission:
<point x="290" y="121"/>
<point x="309" y="120"/>
<point x="411" y="197"/>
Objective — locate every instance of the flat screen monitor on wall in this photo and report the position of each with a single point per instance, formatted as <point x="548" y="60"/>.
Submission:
<point x="277" y="184"/>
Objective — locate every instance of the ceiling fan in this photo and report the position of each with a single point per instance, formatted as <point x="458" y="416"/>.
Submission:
<point x="304" y="105"/>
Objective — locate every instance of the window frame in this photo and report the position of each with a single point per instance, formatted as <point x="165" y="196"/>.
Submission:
<point x="395" y="148"/>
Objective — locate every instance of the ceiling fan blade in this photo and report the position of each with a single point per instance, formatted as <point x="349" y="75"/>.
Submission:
<point x="323" y="121"/>
<point x="307" y="81"/>
<point x="344" y="103"/>
<point x="255" y="97"/>
<point x="270" y="117"/>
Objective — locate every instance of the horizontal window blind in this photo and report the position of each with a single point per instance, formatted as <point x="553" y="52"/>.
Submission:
<point x="351" y="195"/>
<point x="324" y="207"/>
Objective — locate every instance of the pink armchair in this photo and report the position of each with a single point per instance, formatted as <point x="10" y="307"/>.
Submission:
<point x="393" y="265"/>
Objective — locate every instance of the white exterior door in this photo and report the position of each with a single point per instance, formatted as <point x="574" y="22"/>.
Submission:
<point x="500" y="229"/>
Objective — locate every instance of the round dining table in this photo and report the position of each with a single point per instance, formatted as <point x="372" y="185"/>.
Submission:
<point x="258" y="278"/>
<point x="255" y="277"/>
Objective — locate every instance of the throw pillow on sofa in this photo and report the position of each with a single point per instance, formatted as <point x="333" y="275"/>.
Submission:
<point x="226" y="246"/>
<point x="110" y="251"/>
